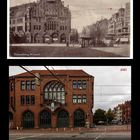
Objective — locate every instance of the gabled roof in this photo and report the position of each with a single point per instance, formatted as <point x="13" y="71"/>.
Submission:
<point x="55" y="72"/>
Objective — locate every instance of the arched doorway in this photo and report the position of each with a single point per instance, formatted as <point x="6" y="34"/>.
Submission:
<point x="79" y="118"/>
<point x="28" y="119"/>
<point x="54" y="38"/>
<point x="62" y="119"/>
<point x="10" y="116"/>
<point x="63" y="38"/>
<point x="45" y="119"/>
<point x="46" y="38"/>
<point x="37" y="38"/>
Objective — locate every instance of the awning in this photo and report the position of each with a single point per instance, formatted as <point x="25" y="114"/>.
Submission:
<point x="124" y="40"/>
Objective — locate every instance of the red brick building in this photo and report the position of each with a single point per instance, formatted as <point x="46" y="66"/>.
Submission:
<point x="65" y="101"/>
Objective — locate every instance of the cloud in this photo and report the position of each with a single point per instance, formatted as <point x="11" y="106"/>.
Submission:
<point x="105" y="97"/>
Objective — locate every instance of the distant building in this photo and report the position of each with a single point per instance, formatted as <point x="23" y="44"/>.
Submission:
<point x="122" y="112"/>
<point x="51" y="103"/>
<point x="119" y="25"/>
<point x="45" y="21"/>
<point x="127" y="111"/>
<point x="118" y="113"/>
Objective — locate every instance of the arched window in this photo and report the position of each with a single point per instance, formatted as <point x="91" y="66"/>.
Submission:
<point x="28" y="119"/>
<point x="79" y="118"/>
<point x="45" y="119"/>
<point x="54" y="91"/>
<point x="10" y="116"/>
<point x="62" y="119"/>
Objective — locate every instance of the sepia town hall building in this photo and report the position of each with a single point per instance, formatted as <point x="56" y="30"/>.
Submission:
<point x="44" y="21"/>
<point x="62" y="102"/>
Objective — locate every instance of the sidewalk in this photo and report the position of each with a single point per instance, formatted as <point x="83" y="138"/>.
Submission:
<point x="115" y="128"/>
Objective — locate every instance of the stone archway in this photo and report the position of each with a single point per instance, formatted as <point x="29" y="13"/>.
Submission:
<point x="55" y="38"/>
<point x="45" y="119"/>
<point x="63" y="38"/>
<point x="79" y="118"/>
<point x="37" y="38"/>
<point x="28" y="119"/>
<point x="46" y="38"/>
<point x="62" y="119"/>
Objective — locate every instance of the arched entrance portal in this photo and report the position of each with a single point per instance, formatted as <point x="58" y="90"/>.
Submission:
<point x="62" y="119"/>
<point x="10" y="116"/>
<point x="55" y="38"/>
<point x="79" y="118"/>
<point x="28" y="119"/>
<point x="45" y="119"/>
<point x="37" y="38"/>
<point x="63" y="38"/>
<point x="46" y="38"/>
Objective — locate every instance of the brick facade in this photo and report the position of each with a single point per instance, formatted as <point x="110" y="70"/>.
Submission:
<point x="17" y="107"/>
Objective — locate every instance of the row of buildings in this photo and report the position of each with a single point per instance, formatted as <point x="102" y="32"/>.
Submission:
<point x="65" y="101"/>
<point x="44" y="21"/>
<point x="110" y="31"/>
<point x="119" y="24"/>
<point x="122" y="112"/>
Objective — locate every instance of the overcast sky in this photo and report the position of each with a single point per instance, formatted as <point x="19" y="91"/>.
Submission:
<point x="86" y="12"/>
<point x="105" y="97"/>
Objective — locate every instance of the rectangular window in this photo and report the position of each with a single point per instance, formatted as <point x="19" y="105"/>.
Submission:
<point x="74" y="100"/>
<point x="74" y="84"/>
<point x="13" y="28"/>
<point x="19" y="20"/>
<point x="84" y="84"/>
<point x="79" y="99"/>
<point x="84" y="99"/>
<point x="27" y="99"/>
<point x="13" y="21"/>
<point x="20" y="28"/>
<point x="22" y="100"/>
<point x="23" y="86"/>
<point x="79" y="84"/>
<point x="32" y="99"/>
<point x="28" y="85"/>
<point x="33" y="85"/>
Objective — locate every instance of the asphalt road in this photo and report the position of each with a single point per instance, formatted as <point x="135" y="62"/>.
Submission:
<point x="73" y="136"/>
<point x="62" y="51"/>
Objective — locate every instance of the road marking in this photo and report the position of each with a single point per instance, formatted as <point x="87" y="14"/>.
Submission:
<point x="101" y="134"/>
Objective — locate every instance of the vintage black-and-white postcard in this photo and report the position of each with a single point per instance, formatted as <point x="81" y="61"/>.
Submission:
<point x="70" y="29"/>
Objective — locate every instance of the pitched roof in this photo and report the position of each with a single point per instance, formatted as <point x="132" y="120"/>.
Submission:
<point x="55" y="72"/>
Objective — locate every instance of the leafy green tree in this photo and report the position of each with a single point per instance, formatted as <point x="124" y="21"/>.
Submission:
<point x="109" y="115"/>
<point x="99" y="115"/>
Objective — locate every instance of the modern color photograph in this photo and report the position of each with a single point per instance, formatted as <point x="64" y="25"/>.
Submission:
<point x="69" y="102"/>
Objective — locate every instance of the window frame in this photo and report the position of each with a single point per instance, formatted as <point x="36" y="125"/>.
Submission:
<point x="23" y="85"/>
<point x="74" y="84"/>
